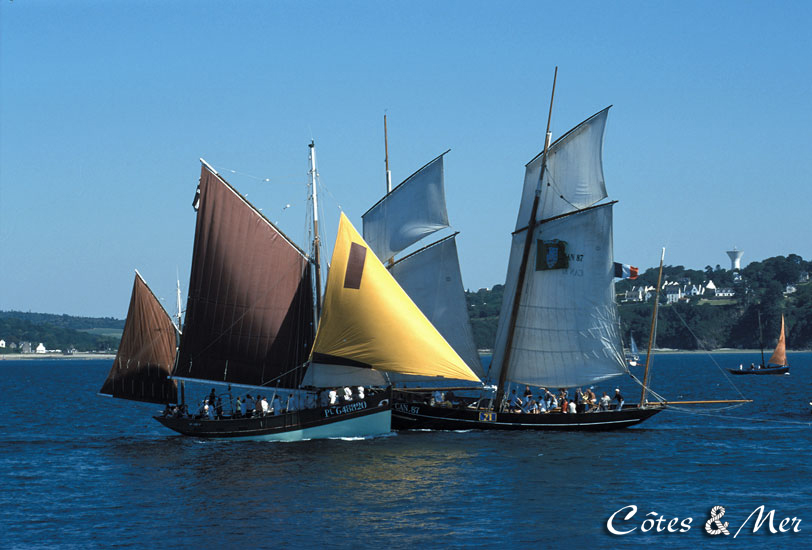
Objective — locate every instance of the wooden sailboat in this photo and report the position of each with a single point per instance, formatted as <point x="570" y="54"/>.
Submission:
<point x="778" y="361"/>
<point x="559" y="325"/>
<point x="253" y="320"/>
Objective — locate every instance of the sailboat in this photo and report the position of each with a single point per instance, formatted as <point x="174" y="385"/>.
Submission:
<point x="414" y="211"/>
<point x="254" y="320"/>
<point x="634" y="354"/>
<point x="778" y="361"/>
<point x="559" y="324"/>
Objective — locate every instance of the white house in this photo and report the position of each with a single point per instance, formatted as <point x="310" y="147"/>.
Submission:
<point x="636" y="294"/>
<point x="40" y="348"/>
<point x="2" y="343"/>
<point x="673" y="292"/>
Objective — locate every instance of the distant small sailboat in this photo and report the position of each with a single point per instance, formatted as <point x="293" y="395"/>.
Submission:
<point x="778" y="361"/>
<point x="634" y="354"/>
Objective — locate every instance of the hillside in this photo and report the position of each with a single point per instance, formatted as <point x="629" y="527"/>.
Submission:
<point x="64" y="332"/>
<point x="767" y="288"/>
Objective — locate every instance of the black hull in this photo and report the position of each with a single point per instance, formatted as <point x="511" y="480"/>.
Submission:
<point x="419" y="416"/>
<point x="370" y="416"/>
<point x="762" y="371"/>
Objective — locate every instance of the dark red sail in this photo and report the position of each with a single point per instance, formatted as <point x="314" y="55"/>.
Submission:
<point x="146" y="353"/>
<point x="249" y="316"/>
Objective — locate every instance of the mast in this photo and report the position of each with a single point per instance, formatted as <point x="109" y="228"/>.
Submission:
<point x="316" y="240"/>
<point x="179" y="304"/>
<point x="386" y="160"/>
<point x="500" y="387"/>
<point x="651" y="334"/>
<point x="183" y="382"/>
<point x="761" y="339"/>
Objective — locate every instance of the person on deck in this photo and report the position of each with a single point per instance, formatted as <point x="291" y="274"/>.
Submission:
<point x="248" y="405"/>
<point x="542" y="404"/>
<point x="360" y="392"/>
<point x="604" y="403"/>
<point x="619" y="399"/>
<point x="276" y="404"/>
<point x="333" y="396"/>
<point x="548" y="398"/>
<point x="310" y="400"/>
<point x="347" y="394"/>
<point x="515" y="402"/>
<point x="564" y="405"/>
<point x="592" y="399"/>
<point x="573" y="408"/>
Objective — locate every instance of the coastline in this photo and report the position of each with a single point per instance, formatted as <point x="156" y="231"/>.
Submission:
<point x="659" y="351"/>
<point x="81" y="355"/>
<point x="111" y="356"/>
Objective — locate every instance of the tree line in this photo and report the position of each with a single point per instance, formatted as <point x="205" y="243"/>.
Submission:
<point x="763" y="292"/>
<point x="64" y="332"/>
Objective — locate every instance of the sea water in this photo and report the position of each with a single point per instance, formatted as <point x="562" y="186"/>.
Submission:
<point x="83" y="471"/>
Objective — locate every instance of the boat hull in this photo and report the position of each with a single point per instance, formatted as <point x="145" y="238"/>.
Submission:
<point x="419" y="416"/>
<point x="762" y="371"/>
<point x="361" y="418"/>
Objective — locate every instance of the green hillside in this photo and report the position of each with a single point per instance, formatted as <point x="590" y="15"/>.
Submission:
<point x="769" y="288"/>
<point x="64" y="332"/>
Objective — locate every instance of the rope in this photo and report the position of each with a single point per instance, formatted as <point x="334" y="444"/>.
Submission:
<point x="716" y="514"/>
<point x="725" y="374"/>
<point x="258" y="178"/>
<point x="749" y="418"/>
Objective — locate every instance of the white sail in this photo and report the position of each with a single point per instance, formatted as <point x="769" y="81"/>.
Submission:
<point x="431" y="277"/>
<point x="333" y="376"/>
<point x="413" y="210"/>
<point x="573" y="177"/>
<point x="566" y="330"/>
<point x="567" y="327"/>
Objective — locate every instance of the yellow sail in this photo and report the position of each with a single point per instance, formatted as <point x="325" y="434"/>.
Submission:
<point x="369" y="321"/>
<point x="779" y="356"/>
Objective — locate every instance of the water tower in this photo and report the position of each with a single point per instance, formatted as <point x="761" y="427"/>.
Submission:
<point x="735" y="259"/>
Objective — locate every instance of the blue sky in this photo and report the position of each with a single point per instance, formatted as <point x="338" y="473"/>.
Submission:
<point x="105" y="108"/>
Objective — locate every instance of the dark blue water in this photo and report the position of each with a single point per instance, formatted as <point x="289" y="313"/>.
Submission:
<point x="83" y="471"/>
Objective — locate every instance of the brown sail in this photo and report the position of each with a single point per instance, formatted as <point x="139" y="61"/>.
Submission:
<point x="250" y="312"/>
<point x="779" y="356"/>
<point x="146" y="352"/>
